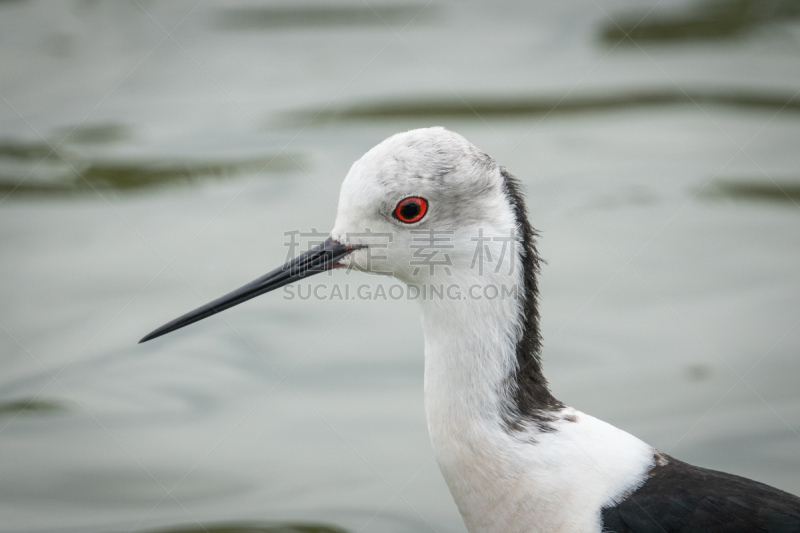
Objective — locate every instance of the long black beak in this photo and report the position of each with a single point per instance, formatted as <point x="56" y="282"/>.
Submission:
<point x="318" y="259"/>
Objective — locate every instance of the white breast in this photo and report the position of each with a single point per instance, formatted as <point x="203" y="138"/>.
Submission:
<point x="547" y="482"/>
<point x="507" y="481"/>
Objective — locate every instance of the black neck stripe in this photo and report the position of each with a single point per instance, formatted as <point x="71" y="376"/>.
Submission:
<point x="529" y="398"/>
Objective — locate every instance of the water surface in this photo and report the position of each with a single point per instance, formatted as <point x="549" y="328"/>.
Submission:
<point x="154" y="155"/>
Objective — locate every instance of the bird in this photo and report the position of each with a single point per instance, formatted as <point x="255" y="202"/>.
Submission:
<point x="432" y="210"/>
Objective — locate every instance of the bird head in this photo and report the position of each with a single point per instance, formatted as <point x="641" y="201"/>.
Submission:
<point x="422" y="206"/>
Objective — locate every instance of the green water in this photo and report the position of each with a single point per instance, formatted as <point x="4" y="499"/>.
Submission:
<point x="154" y="156"/>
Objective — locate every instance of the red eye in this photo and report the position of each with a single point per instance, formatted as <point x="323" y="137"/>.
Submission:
<point x="411" y="209"/>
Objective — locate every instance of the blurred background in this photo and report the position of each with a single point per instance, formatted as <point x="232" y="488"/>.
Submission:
<point x="153" y="156"/>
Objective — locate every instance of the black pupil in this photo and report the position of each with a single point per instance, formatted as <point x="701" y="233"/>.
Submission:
<point x="410" y="209"/>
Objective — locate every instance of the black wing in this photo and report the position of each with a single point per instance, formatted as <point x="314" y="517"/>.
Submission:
<point x="681" y="498"/>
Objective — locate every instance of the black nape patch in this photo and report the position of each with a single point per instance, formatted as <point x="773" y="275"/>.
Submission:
<point x="530" y="400"/>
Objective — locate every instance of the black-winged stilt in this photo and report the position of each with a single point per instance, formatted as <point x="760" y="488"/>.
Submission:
<point x="515" y="458"/>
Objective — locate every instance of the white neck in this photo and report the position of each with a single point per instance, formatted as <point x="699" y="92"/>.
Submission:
<point x="472" y="345"/>
<point x="510" y="480"/>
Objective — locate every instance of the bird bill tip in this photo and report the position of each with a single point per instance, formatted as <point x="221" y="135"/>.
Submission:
<point x="318" y="259"/>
